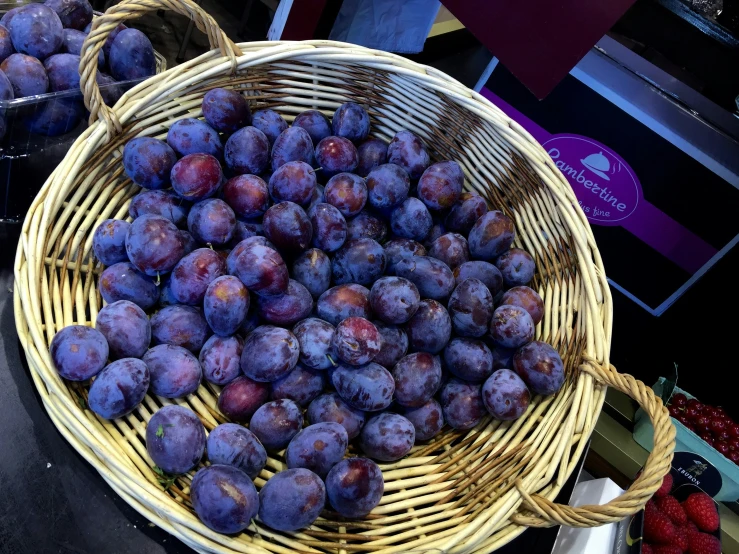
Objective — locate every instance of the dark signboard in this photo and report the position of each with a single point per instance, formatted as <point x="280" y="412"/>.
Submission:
<point x="660" y="218"/>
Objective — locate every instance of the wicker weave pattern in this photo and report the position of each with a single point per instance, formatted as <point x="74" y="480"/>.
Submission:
<point x="464" y="491"/>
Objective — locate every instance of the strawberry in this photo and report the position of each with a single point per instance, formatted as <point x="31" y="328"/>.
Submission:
<point x="669" y="506"/>
<point x="681" y="538"/>
<point x="701" y="509"/>
<point x="657" y="527"/>
<point x="666" y="549"/>
<point x="666" y="486"/>
<point x="646" y="548"/>
<point x="703" y="543"/>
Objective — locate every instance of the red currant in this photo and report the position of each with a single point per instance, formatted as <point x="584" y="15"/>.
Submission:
<point x="722" y="436"/>
<point x="693" y="403"/>
<point x="679" y="400"/>
<point x="703" y="424"/>
<point x="718" y="426"/>
<point x="722" y="447"/>
<point x="692" y="413"/>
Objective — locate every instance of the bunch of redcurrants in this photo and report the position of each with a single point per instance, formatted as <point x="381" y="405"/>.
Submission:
<point x="711" y="423"/>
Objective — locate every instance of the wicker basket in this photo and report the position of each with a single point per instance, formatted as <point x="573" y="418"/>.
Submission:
<point x="464" y="491"/>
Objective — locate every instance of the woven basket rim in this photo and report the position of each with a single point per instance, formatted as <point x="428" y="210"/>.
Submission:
<point x="156" y="505"/>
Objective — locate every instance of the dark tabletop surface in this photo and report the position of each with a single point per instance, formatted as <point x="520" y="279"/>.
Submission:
<point x="51" y="499"/>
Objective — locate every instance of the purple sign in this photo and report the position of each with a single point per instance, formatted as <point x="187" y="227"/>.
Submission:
<point x="610" y="194"/>
<point x="605" y="186"/>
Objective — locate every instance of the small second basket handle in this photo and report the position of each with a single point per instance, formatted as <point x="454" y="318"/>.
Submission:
<point x="130" y="9"/>
<point x="646" y="484"/>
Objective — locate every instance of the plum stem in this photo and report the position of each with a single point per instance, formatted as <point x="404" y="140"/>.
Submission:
<point x="159" y="280"/>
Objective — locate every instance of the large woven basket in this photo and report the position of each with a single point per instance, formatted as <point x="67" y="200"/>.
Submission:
<point x="468" y="491"/>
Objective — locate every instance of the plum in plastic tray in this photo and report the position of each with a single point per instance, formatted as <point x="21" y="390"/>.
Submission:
<point x="38" y="132"/>
<point x="34" y="123"/>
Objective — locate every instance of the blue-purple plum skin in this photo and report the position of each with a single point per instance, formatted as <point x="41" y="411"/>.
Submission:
<point x="119" y="388"/>
<point x="224" y="498"/>
<point x="79" y="352"/>
<point x="175" y="439"/>
<point x="234" y="445"/>
<point x="291" y="500"/>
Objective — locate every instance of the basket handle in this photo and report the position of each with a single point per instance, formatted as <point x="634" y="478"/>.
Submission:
<point x="130" y="9"/>
<point x="641" y="490"/>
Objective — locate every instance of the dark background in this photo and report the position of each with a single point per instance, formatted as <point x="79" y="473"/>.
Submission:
<point x="695" y="331"/>
<point x="667" y="175"/>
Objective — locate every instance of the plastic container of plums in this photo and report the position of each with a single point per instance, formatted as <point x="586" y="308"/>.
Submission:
<point x="35" y="123"/>
<point x="37" y="130"/>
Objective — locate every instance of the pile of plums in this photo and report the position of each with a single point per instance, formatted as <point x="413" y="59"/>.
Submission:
<point x="40" y="46"/>
<point x="337" y="287"/>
